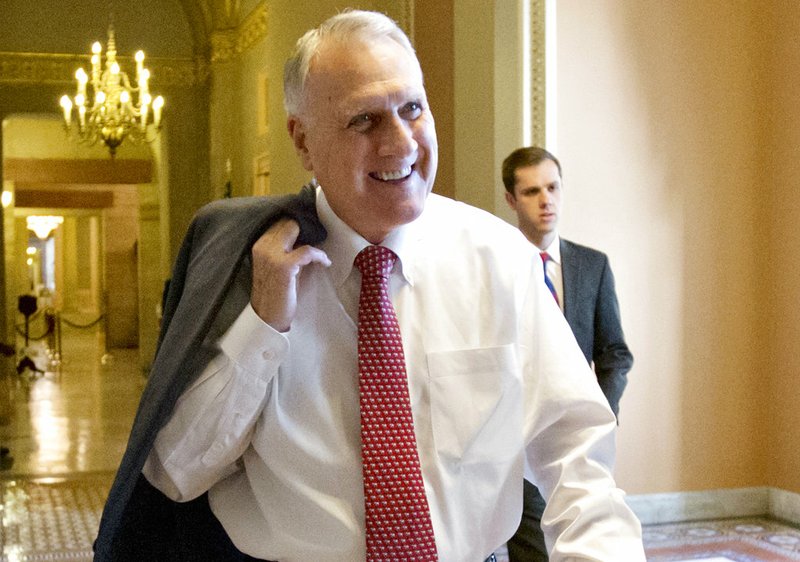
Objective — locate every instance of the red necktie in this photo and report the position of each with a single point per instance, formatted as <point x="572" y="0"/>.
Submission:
<point x="398" y="520"/>
<point x="547" y="281"/>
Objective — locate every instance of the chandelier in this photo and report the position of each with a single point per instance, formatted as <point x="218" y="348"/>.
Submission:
<point x="43" y="225"/>
<point x="111" y="115"/>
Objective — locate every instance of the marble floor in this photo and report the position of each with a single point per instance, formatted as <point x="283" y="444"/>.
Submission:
<point x="66" y="431"/>
<point x="72" y="420"/>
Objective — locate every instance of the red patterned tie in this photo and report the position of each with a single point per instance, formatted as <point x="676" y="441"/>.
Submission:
<point x="397" y="516"/>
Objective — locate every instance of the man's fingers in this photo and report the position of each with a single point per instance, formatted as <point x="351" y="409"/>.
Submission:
<point x="305" y="255"/>
<point x="276" y="265"/>
<point x="279" y="240"/>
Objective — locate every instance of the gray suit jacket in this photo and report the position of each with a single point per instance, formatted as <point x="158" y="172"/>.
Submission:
<point x="592" y="311"/>
<point x="208" y="290"/>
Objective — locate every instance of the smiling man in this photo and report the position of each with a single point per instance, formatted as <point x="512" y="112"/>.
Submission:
<point x="374" y="392"/>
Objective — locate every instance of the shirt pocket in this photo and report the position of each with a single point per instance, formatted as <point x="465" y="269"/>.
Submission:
<point x="476" y="404"/>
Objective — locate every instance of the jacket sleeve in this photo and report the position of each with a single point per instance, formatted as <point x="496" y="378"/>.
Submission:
<point x="611" y="356"/>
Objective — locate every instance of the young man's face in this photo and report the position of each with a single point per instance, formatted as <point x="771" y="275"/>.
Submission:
<point x="365" y="130"/>
<point x="537" y="200"/>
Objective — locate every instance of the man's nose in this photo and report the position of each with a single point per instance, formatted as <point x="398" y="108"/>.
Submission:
<point x="397" y="138"/>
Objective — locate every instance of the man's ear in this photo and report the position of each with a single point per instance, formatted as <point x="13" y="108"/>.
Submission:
<point x="511" y="200"/>
<point x="298" y="133"/>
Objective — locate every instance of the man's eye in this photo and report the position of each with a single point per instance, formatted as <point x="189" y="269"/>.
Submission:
<point x="412" y="110"/>
<point x="361" y="121"/>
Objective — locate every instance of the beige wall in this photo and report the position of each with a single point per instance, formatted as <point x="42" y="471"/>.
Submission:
<point x="678" y="133"/>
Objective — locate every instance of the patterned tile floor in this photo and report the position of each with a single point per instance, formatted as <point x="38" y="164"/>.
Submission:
<point x="731" y="540"/>
<point x="51" y="519"/>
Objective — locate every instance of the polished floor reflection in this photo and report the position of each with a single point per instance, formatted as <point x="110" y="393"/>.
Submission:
<point x="77" y="420"/>
<point x="66" y="431"/>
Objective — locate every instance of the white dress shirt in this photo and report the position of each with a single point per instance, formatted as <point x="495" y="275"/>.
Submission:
<point x="497" y="383"/>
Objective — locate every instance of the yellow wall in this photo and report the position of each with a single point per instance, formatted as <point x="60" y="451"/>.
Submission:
<point x="780" y="264"/>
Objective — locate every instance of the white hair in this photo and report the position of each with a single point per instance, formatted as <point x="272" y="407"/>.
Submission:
<point x="345" y="26"/>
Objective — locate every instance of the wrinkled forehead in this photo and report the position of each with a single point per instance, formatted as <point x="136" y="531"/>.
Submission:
<point x="341" y="71"/>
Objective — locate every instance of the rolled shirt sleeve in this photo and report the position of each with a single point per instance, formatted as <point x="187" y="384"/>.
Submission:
<point x="213" y="420"/>
<point x="571" y="448"/>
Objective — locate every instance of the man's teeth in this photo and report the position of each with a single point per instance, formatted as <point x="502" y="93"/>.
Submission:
<point x="399" y="174"/>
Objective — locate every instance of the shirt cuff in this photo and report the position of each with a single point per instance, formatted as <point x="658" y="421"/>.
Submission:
<point x="253" y="344"/>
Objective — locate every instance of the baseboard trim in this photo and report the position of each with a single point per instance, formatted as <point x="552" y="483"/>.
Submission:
<point x="654" y="509"/>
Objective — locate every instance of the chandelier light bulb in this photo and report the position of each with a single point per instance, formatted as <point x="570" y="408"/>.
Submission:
<point x="158" y="103"/>
<point x="97" y="48"/>
<point x="66" y="105"/>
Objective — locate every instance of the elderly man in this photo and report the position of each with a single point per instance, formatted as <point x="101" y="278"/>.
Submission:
<point x="370" y="394"/>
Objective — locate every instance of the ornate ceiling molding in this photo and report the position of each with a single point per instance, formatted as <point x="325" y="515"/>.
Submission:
<point x="53" y="68"/>
<point x="227" y="44"/>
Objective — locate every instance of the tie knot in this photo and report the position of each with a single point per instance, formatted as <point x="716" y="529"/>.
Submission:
<point x="375" y="261"/>
<point x="545" y="257"/>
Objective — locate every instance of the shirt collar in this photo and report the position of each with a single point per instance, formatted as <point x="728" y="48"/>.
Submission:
<point x="554" y="249"/>
<point x="343" y="243"/>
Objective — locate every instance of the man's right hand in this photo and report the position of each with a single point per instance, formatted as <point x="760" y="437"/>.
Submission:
<point x="276" y="266"/>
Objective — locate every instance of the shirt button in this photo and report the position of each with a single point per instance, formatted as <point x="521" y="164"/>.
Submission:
<point x="268" y="355"/>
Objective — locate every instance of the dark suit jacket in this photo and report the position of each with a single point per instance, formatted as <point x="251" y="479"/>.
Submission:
<point x="208" y="290"/>
<point x="592" y="311"/>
